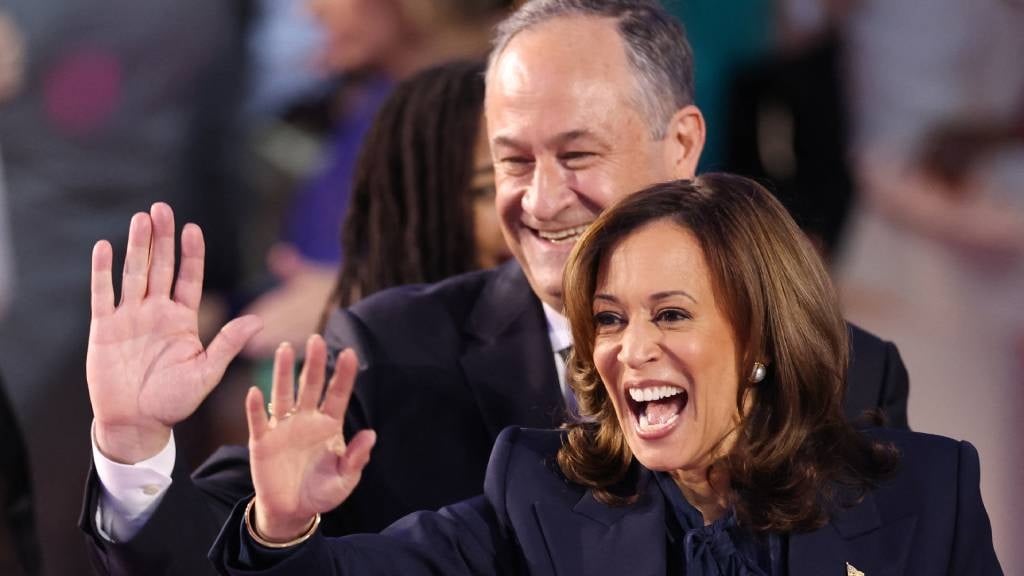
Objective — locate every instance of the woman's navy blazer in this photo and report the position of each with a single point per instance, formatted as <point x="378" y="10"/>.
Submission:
<point x="927" y="520"/>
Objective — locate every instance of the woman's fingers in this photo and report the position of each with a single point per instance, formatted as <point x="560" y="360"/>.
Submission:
<point x="282" y="395"/>
<point x="340" y="388"/>
<point x="161" y="261"/>
<point x="311" y="381"/>
<point x="102" y="283"/>
<point x="188" y="289"/>
<point x="136" y="259"/>
<point x="255" y="415"/>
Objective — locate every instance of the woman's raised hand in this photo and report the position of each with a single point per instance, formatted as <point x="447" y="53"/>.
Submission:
<point x="146" y="367"/>
<point x="301" y="464"/>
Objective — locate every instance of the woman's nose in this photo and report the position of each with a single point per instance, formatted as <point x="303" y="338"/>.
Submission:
<point x="640" y="344"/>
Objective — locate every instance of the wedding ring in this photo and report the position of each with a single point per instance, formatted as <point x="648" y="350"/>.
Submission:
<point x="286" y="415"/>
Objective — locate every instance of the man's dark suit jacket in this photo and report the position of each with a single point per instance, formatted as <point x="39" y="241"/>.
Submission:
<point x="443" y="369"/>
<point x="927" y="520"/>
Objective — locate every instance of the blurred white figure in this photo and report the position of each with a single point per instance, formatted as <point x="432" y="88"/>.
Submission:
<point x="935" y="265"/>
<point x="283" y="46"/>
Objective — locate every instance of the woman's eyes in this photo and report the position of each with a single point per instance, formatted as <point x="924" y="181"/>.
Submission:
<point x="609" y="320"/>
<point x="606" y="319"/>
<point x="483" y="192"/>
<point x="671" y="315"/>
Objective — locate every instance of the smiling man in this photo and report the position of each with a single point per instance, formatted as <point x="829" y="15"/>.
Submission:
<point x="587" y="101"/>
<point x="577" y="120"/>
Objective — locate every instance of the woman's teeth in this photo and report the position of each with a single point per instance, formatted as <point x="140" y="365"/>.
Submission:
<point x="657" y="408"/>
<point x="653" y="393"/>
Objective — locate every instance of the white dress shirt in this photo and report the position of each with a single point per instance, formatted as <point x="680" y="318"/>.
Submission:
<point x="129" y="493"/>
<point x="561" y="338"/>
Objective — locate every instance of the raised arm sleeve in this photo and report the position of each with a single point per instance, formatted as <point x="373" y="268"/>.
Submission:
<point x="130" y="492"/>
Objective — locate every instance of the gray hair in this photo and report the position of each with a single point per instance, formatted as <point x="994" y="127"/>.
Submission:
<point x="656" y="49"/>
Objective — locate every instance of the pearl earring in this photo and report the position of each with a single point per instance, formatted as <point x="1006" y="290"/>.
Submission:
<point x="759" y="373"/>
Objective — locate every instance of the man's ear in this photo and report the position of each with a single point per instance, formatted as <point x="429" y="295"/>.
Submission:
<point x="685" y="141"/>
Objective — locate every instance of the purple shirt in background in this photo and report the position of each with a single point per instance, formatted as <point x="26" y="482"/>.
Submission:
<point x="313" y="223"/>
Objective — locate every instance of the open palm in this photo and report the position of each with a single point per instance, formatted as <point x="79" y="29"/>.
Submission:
<point x="300" y="462"/>
<point x="146" y="367"/>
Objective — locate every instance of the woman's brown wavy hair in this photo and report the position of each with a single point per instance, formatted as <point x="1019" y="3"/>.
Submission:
<point x="794" y="455"/>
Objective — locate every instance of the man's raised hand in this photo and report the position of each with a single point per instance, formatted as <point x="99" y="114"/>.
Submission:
<point x="146" y="367"/>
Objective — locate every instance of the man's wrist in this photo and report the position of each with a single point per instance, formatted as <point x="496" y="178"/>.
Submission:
<point x="131" y="444"/>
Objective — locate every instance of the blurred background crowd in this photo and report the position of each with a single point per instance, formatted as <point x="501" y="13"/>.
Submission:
<point x="323" y="164"/>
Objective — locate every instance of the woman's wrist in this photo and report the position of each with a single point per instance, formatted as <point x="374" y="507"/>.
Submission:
<point x="279" y="535"/>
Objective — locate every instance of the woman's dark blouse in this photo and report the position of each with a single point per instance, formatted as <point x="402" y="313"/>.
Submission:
<point x="722" y="548"/>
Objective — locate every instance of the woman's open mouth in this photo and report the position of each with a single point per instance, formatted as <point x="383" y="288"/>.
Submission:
<point x="656" y="409"/>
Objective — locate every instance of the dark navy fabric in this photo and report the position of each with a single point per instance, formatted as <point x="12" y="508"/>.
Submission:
<point x="721" y="548"/>
<point x="927" y="520"/>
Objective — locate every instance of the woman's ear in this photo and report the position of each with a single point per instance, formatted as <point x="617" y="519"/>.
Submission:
<point x="685" y="141"/>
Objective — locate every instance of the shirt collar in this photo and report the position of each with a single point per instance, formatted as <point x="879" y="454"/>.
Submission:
<point x="558" y="328"/>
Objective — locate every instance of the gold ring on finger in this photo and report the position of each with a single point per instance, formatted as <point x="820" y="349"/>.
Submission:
<point x="270" y="411"/>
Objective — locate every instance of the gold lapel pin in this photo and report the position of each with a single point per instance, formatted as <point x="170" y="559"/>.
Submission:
<point x="851" y="571"/>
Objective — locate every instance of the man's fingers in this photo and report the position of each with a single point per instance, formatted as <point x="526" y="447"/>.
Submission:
<point x="102" y="283"/>
<point x="161" y="261"/>
<point x="188" y="290"/>
<point x="282" y="391"/>
<point x="136" y="260"/>
<point x="227" y="344"/>
<point x="357" y="454"/>
<point x="311" y="382"/>
<point x="255" y="415"/>
<point x="339" y="391"/>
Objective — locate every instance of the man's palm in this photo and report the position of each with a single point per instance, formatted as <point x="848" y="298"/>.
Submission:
<point x="145" y="362"/>
<point x="146" y="368"/>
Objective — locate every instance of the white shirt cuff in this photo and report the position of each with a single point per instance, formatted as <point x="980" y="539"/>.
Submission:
<point x="129" y="493"/>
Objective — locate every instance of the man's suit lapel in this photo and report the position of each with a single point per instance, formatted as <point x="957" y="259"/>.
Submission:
<point x="854" y="536"/>
<point x="508" y="361"/>
<point x="593" y="538"/>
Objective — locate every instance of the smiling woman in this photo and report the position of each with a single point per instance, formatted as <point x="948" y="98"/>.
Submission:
<point x="674" y="298"/>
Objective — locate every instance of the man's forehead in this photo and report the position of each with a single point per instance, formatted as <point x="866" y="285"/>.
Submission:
<point x="567" y="45"/>
<point x="562" y="70"/>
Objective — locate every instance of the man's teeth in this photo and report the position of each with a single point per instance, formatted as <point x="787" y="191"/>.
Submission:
<point x="562" y="235"/>
<point x="653" y="393"/>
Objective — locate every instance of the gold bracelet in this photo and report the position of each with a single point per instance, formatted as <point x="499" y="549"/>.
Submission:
<point x="250" y="526"/>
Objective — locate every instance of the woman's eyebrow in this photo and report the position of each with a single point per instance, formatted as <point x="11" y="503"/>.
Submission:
<point x="658" y="296"/>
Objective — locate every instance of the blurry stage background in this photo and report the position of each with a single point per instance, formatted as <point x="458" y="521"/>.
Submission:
<point x="893" y="129"/>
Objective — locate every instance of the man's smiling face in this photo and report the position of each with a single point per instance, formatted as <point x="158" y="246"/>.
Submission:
<point x="568" y="140"/>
